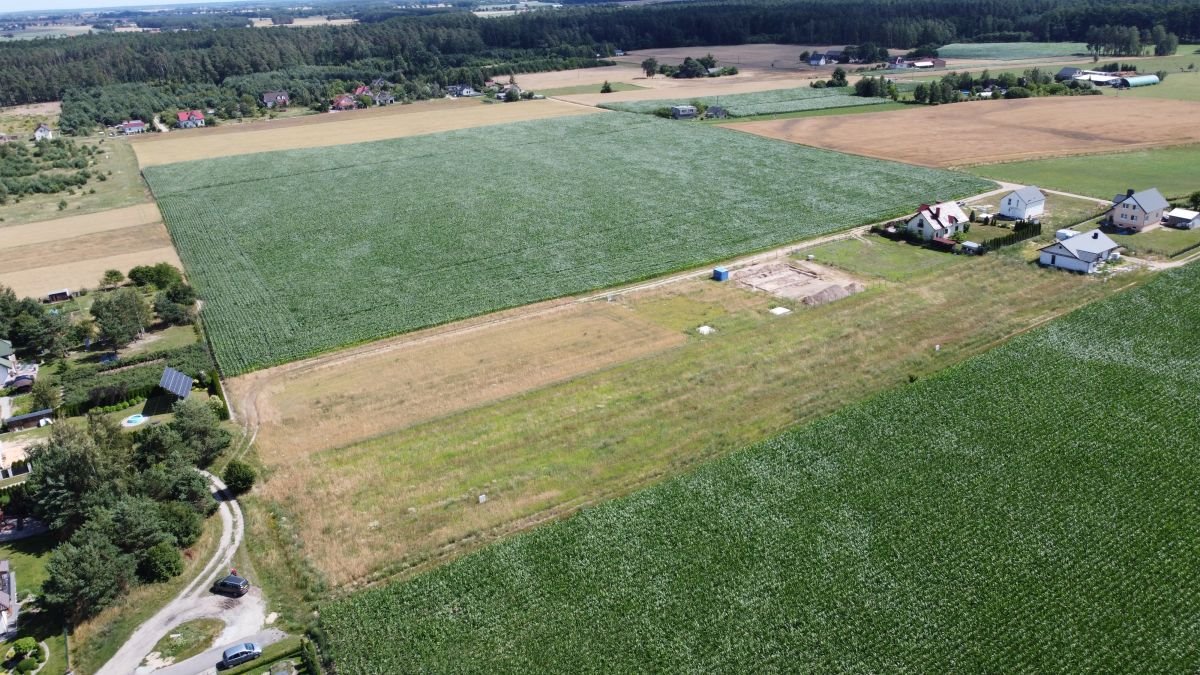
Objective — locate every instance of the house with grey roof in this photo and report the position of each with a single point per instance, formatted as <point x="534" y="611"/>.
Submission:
<point x="1082" y="253"/>
<point x="1023" y="204"/>
<point x="1138" y="210"/>
<point x="1068" y="73"/>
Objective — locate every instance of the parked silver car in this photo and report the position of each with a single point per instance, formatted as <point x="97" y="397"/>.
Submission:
<point x="239" y="654"/>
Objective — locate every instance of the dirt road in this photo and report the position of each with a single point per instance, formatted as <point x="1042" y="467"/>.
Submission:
<point x="244" y="617"/>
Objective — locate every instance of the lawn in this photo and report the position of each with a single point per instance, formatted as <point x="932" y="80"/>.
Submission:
<point x="364" y="241"/>
<point x="1172" y="170"/>
<point x="545" y="452"/>
<point x="956" y="524"/>
<point x="1160" y="242"/>
<point x="1179" y="86"/>
<point x="28" y="558"/>
<point x="891" y="260"/>
<point x="189" y="639"/>
<point x="124" y="187"/>
<point x="761" y="103"/>
<point x="1011" y="51"/>
<point x="587" y="89"/>
<point x="824" y="112"/>
<point x="1061" y="211"/>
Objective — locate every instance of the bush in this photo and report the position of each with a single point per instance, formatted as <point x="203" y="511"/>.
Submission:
<point x="24" y="647"/>
<point x="162" y="562"/>
<point x="309" y="658"/>
<point x="238" y="476"/>
<point x="182" y="522"/>
<point x="27" y="666"/>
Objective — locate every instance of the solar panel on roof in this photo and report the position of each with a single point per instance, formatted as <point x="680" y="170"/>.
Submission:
<point x="176" y="382"/>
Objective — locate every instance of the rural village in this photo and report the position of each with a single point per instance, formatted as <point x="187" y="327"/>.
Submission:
<point x="613" y="336"/>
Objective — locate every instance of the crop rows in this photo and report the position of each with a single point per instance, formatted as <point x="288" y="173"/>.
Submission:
<point x="760" y="103"/>
<point x="304" y="251"/>
<point x="1011" y="51"/>
<point x="1032" y="510"/>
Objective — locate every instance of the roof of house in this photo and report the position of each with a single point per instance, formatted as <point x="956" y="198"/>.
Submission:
<point x="1070" y="72"/>
<point x="943" y="215"/>
<point x="1028" y="194"/>
<point x="362" y="90"/>
<point x="35" y="415"/>
<point x="127" y="125"/>
<point x="1094" y="243"/>
<point x="6" y="348"/>
<point x="5" y="364"/>
<point x="42" y="126"/>
<point x="1148" y="200"/>
<point x="185" y="115"/>
<point x="176" y="382"/>
<point x="683" y="108"/>
<point x="270" y="95"/>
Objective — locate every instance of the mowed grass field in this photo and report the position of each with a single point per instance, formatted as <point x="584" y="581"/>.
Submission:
<point x="1011" y="51"/>
<point x="761" y="103"/>
<point x="1174" y="171"/>
<point x="468" y="427"/>
<point x="301" y="252"/>
<point x="1030" y="510"/>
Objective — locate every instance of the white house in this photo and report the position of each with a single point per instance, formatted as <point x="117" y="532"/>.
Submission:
<point x="940" y="220"/>
<point x="1184" y="219"/>
<point x="8" y="599"/>
<point x="1023" y="204"/>
<point x="1081" y="253"/>
<point x="43" y="133"/>
<point x="1137" y="210"/>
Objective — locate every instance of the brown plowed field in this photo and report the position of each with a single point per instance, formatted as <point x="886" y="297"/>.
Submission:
<point x="986" y="132"/>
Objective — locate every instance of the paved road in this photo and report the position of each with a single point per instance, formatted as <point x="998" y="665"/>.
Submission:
<point x="244" y="617"/>
<point x="206" y="663"/>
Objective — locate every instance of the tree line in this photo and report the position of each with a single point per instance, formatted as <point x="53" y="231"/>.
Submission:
<point x="427" y="48"/>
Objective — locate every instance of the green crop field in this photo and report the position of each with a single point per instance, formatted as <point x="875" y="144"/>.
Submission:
<point x="760" y="103"/>
<point x="303" y="251"/>
<point x="1011" y="51"/>
<point x="1031" y="510"/>
<point x="1171" y="170"/>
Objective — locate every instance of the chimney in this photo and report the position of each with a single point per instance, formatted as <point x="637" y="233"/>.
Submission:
<point x="1129" y="192"/>
<point x="937" y="213"/>
<point x="1096" y="234"/>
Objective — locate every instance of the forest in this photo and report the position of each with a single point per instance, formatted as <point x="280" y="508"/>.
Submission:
<point x="434" y="49"/>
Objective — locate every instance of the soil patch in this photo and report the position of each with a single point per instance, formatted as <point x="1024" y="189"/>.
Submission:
<point x="798" y="281"/>
<point x="985" y="132"/>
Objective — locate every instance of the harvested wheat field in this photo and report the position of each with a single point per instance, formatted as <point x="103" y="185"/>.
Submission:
<point x="985" y="132"/>
<point x="660" y="87"/>
<point x="384" y="387"/>
<point x="759" y="56"/>
<point x="74" y="252"/>
<point x="328" y="129"/>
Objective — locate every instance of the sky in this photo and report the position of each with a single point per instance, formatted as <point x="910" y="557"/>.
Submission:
<point x="53" y="5"/>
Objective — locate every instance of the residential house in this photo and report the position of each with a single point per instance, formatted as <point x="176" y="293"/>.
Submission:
<point x="130" y="127"/>
<point x="683" y="112"/>
<point x="618" y="52"/>
<point x="834" y="56"/>
<point x="938" y="221"/>
<point x="1082" y="253"/>
<point x="898" y="62"/>
<point x="503" y="92"/>
<point x="817" y="60"/>
<point x="384" y="98"/>
<point x="1184" y="219"/>
<point x="8" y="362"/>
<point x="38" y="418"/>
<point x="1023" y="204"/>
<point x="1137" y="210"/>
<point x="344" y="102"/>
<point x="189" y="119"/>
<point x="1068" y="73"/>
<point x="8" y="600"/>
<point x="713" y="72"/>
<point x="43" y="133"/>
<point x="379" y="84"/>
<point x="362" y="90"/>
<point x="276" y="99"/>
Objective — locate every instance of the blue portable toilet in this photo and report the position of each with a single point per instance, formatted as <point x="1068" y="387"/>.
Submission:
<point x="720" y="274"/>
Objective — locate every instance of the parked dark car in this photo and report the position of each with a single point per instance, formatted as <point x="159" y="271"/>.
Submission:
<point x="239" y="654"/>
<point x="232" y="585"/>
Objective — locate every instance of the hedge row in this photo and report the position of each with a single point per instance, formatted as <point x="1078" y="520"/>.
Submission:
<point x="121" y="383"/>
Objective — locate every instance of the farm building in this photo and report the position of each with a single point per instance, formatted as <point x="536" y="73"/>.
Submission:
<point x="43" y="133"/>
<point x="175" y="383"/>
<point x="1023" y="204"/>
<point x="1068" y="74"/>
<point x="834" y="56"/>
<point x="683" y="112"/>
<point x="817" y="60"/>
<point x="38" y="418"/>
<point x="926" y="64"/>
<point x="8" y="600"/>
<point x="1184" y="219"/>
<point x="1137" y="81"/>
<point x="61" y="295"/>
<point x="940" y="220"/>
<point x="276" y="99"/>
<point x="1082" y="253"/>
<point x="130" y="127"/>
<point x="897" y="62"/>
<point x="1136" y="210"/>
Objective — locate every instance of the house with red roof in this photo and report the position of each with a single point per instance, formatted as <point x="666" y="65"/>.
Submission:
<point x="131" y="127"/>
<point x="938" y="221"/>
<point x="189" y="119"/>
<point x="344" y="102"/>
<point x="362" y="90"/>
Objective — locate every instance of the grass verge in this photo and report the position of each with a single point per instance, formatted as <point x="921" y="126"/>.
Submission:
<point x="189" y="639"/>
